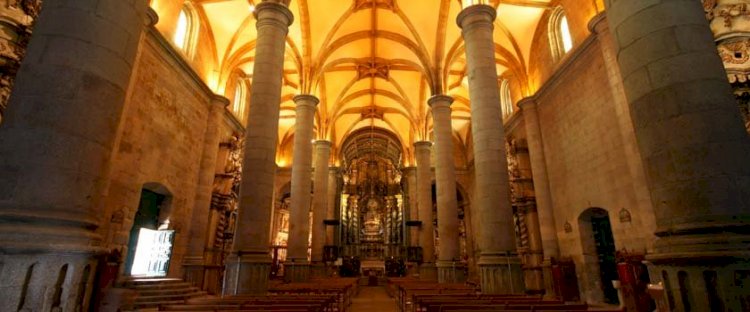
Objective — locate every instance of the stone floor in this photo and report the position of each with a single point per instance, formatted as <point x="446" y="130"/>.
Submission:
<point x="373" y="299"/>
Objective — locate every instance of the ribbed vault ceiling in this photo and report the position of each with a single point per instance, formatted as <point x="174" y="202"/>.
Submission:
<point x="373" y="63"/>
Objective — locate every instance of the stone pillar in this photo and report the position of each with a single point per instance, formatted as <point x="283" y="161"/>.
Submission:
<point x="693" y="145"/>
<point x="320" y="205"/>
<point x="56" y="143"/>
<point x="412" y="232"/>
<point x="449" y="267"/>
<point x="499" y="267"/>
<point x="194" y="260"/>
<point x="543" y="196"/>
<point x="297" y="267"/>
<point x="333" y="184"/>
<point x="410" y="173"/>
<point x="249" y="265"/>
<point x="424" y="204"/>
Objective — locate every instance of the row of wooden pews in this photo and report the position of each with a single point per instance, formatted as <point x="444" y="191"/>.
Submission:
<point x="413" y="295"/>
<point x="343" y="288"/>
<point x="319" y="295"/>
<point x="250" y="303"/>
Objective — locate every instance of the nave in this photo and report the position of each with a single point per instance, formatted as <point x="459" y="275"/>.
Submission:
<point x="388" y="295"/>
<point x="585" y="151"/>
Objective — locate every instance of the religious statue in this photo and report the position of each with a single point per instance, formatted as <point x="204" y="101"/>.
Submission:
<point x="373" y="225"/>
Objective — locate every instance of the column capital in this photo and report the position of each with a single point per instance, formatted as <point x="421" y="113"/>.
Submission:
<point x="220" y="101"/>
<point x="322" y="144"/>
<point x="528" y="103"/>
<point x="409" y="170"/>
<point x="477" y="14"/>
<point x="598" y="24"/>
<point x="422" y="144"/>
<point x="306" y="98"/>
<point x="152" y="18"/>
<point x="287" y="17"/>
<point x="440" y="100"/>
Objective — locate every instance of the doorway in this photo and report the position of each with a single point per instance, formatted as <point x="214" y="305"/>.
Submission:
<point x="598" y="241"/>
<point x="150" y="242"/>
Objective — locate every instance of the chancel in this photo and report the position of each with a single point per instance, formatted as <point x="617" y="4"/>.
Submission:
<point x="374" y="155"/>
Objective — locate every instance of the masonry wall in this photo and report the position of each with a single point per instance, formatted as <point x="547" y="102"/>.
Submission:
<point x="587" y="163"/>
<point x="160" y="146"/>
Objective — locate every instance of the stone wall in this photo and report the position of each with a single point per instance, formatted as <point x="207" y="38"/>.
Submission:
<point x="587" y="161"/>
<point x="160" y="146"/>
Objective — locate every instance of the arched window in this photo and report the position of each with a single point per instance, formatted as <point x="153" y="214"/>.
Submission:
<point x="561" y="41"/>
<point x="505" y="100"/>
<point x="239" y="102"/>
<point x="186" y="31"/>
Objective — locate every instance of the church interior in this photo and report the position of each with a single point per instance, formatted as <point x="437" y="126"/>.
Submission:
<point x="375" y="155"/>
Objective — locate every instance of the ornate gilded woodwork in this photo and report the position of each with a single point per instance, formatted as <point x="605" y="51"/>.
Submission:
<point x="730" y="23"/>
<point x="16" y="23"/>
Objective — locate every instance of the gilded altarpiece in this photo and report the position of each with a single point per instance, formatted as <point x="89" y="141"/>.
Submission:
<point x="372" y="201"/>
<point x="730" y="23"/>
<point x="17" y="19"/>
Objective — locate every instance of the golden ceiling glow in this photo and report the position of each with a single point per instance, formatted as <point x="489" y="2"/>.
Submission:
<point x="372" y="63"/>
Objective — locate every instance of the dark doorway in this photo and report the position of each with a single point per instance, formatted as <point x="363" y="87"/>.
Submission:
<point x="605" y="250"/>
<point x="146" y="217"/>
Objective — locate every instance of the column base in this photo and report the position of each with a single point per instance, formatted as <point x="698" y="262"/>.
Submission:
<point x="451" y="272"/>
<point x="533" y="275"/>
<point x="296" y="271"/>
<point x="412" y="269"/>
<point x="319" y="270"/>
<point x="194" y="270"/>
<point x="710" y="269"/>
<point x="500" y="274"/>
<point x="35" y="278"/>
<point x="549" y="281"/>
<point x="247" y="273"/>
<point x="428" y="271"/>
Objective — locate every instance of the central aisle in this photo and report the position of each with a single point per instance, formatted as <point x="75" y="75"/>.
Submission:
<point x="373" y="299"/>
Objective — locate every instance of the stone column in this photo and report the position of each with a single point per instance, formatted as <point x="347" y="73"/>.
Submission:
<point x="449" y="267"/>
<point x="693" y="145"/>
<point x="542" y="194"/>
<point x="424" y="204"/>
<point x="56" y="143"/>
<point x="297" y="267"/>
<point x="320" y="205"/>
<point x="249" y="265"/>
<point x="333" y="184"/>
<point x="410" y="173"/>
<point x="194" y="260"/>
<point x="499" y="267"/>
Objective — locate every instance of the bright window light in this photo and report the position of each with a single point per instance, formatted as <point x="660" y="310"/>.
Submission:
<point x="567" y="40"/>
<point x="180" y="35"/>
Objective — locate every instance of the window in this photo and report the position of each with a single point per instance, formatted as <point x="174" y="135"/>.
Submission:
<point x="186" y="31"/>
<point x="240" y="100"/>
<point x="561" y="41"/>
<point x="505" y="99"/>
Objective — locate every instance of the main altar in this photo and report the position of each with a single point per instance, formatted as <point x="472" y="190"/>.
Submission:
<point x="372" y="201"/>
